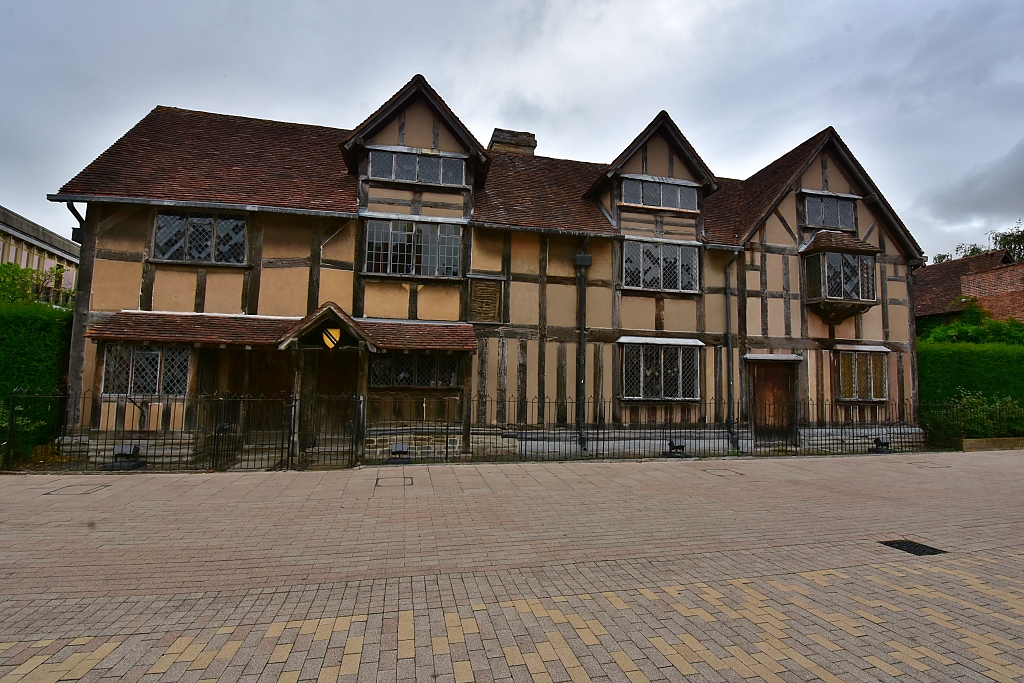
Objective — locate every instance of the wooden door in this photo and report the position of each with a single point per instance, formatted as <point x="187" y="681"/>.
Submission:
<point x="773" y="406"/>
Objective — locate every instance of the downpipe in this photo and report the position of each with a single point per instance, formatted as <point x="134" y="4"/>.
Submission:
<point x="582" y="261"/>
<point x="730" y="419"/>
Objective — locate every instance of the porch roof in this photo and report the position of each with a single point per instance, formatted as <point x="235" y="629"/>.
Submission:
<point x="192" y="328"/>
<point x="417" y="335"/>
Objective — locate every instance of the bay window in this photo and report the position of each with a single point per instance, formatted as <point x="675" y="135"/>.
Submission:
<point x="832" y="275"/>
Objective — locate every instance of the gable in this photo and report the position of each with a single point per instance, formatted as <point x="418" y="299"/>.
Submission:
<point x="417" y="125"/>
<point x="659" y="157"/>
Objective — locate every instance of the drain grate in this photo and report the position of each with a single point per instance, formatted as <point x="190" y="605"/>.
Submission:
<point x="913" y="547"/>
<point x="394" y="481"/>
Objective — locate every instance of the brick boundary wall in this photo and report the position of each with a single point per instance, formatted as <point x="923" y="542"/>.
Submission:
<point x="999" y="291"/>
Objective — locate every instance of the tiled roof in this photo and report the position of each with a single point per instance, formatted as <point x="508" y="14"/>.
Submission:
<point x="258" y="330"/>
<point x="178" y="155"/>
<point x="937" y="285"/>
<point x="202" y="328"/>
<point x="834" y="240"/>
<point x="738" y="206"/>
<point x="540" y="192"/>
<point x="419" y="336"/>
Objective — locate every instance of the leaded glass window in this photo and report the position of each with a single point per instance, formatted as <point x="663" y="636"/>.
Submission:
<point x="200" y="237"/>
<point x="414" y="369"/>
<point x="862" y="376"/>
<point x="660" y="371"/>
<point x="145" y="370"/>
<point x="660" y="266"/>
<point x="422" y="168"/>
<point x="827" y="211"/>
<point x="404" y="248"/>
<point x="664" y="195"/>
<point x="846" y="276"/>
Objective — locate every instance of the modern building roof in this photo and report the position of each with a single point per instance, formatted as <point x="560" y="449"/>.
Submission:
<point x="29" y="231"/>
<point x="937" y="286"/>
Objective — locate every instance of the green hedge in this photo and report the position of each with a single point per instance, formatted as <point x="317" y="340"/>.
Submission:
<point x="992" y="370"/>
<point x="34" y="344"/>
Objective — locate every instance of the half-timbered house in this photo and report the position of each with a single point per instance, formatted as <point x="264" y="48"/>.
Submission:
<point x="404" y="262"/>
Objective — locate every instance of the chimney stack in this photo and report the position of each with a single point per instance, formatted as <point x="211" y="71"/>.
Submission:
<point x="514" y="141"/>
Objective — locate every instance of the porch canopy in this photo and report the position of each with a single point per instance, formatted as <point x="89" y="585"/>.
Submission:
<point x="279" y="332"/>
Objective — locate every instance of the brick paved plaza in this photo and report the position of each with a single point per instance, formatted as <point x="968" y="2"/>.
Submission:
<point x="666" y="570"/>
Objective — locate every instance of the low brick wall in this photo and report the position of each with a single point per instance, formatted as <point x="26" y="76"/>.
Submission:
<point x="992" y="444"/>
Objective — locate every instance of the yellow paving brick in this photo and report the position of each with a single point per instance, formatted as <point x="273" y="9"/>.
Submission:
<point x="547" y="652"/>
<point x="439" y="644"/>
<point x="739" y="667"/>
<point x="350" y="664"/>
<point x="870" y="617"/>
<point x="556" y="616"/>
<point x="342" y="624"/>
<point x="179" y="645"/>
<point x="824" y="642"/>
<point x="513" y="657"/>
<point x="649" y="594"/>
<point x="934" y="656"/>
<point x="615" y="600"/>
<point x="280" y="653"/>
<point x="295" y="623"/>
<point x="204" y="660"/>
<point x="534" y="663"/>
<point x="560" y="598"/>
<point x="324" y="629"/>
<point x="584" y="596"/>
<point x="470" y="626"/>
<point x="674" y="658"/>
<point x="406" y="625"/>
<point x="288" y="677"/>
<point x="229" y="649"/>
<point x="329" y="674"/>
<point x="595" y="626"/>
<point x="163" y="663"/>
<point x="887" y="668"/>
<point x="789" y="589"/>
<point x="463" y="672"/>
<point x="877" y="603"/>
<point x="76" y="641"/>
<point x="191" y="652"/>
<point x="753" y="665"/>
<point x="354" y="645"/>
<point x="275" y="630"/>
<point x="479" y="607"/>
<point x="624" y="661"/>
<point x="406" y="649"/>
<point x="223" y="630"/>
<point x="43" y="643"/>
<point x="688" y="612"/>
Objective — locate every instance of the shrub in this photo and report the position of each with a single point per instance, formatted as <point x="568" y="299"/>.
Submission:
<point x="992" y="369"/>
<point x="34" y="343"/>
<point x="972" y="415"/>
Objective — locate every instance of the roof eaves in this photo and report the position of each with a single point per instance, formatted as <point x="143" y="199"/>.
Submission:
<point x="227" y="206"/>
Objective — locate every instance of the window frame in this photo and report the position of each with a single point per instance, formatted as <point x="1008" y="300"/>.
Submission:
<point x="420" y="154"/>
<point x="416" y="250"/>
<point x="160" y="380"/>
<point x="644" y="247"/>
<point x="873" y="360"/>
<point x="643" y="349"/>
<point x="646" y="181"/>
<point x="416" y="360"/>
<point x="215" y="234"/>
<point x="820" y="196"/>
<point x="821" y="257"/>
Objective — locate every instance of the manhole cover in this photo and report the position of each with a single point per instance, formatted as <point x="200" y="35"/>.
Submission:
<point x="913" y="547"/>
<point x="725" y="473"/>
<point x="394" y="481"/>
<point x="77" y="490"/>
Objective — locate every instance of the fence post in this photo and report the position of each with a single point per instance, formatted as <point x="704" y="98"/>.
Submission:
<point x="360" y="434"/>
<point x="10" y="433"/>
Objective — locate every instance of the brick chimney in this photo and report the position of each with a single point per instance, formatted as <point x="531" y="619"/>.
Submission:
<point x="514" y="141"/>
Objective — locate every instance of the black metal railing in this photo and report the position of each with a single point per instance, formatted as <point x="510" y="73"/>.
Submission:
<point x="179" y="433"/>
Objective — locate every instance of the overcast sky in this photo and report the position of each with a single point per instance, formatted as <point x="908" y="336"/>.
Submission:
<point x="929" y="95"/>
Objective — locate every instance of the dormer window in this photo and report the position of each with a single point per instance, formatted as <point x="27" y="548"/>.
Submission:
<point x="828" y="210"/>
<point x="657" y="193"/>
<point x="417" y="168"/>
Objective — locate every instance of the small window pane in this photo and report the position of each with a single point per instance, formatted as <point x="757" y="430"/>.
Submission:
<point x="670" y="367"/>
<point x="378" y="246"/>
<point x="813" y="204"/>
<point x="867" y="278"/>
<point x="688" y="263"/>
<point x="380" y="371"/>
<point x="652" y="371"/>
<point x="631" y="370"/>
<point x="382" y="165"/>
<point x="878" y="375"/>
<point x="846" y="375"/>
<point x="689" y="372"/>
<point x="426" y="250"/>
<point x="170" y="237"/>
<point x="830" y="212"/>
<point x="813" y="276"/>
<point x="426" y="371"/>
<point x="230" y="240"/>
<point x="834" y="275"/>
<point x="199" y="242"/>
<point x="688" y="198"/>
<point x="175" y="374"/>
<point x="846" y="219"/>
<point x="453" y="171"/>
<point x="670" y="266"/>
<point x="632" y="255"/>
<point x="145" y="369"/>
<point x="652" y="194"/>
<point x="404" y="366"/>
<point x="631" y="191"/>
<point x="851" y="276"/>
<point x="405" y="167"/>
<point x="449" y="249"/>
<point x="670" y="196"/>
<point x="652" y="266"/>
<point x="117" y="367"/>
<point x="401" y="248"/>
<point x="864" y="376"/>
<point x="430" y="169"/>
<point x="447" y="371"/>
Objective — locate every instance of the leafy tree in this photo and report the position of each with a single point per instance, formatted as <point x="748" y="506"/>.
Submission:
<point x="1011" y="240"/>
<point x="976" y="327"/>
<point x="16" y="283"/>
